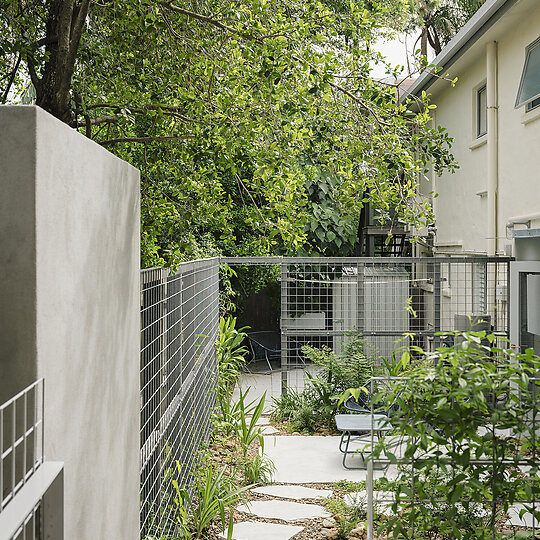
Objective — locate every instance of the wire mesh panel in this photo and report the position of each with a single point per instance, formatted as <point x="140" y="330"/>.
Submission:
<point x="384" y="304"/>
<point x="179" y="326"/>
<point x="467" y="468"/>
<point x="21" y="455"/>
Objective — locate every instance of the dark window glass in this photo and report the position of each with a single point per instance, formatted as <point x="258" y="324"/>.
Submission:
<point x="481" y="112"/>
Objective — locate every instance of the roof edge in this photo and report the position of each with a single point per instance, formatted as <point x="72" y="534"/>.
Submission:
<point x="490" y="12"/>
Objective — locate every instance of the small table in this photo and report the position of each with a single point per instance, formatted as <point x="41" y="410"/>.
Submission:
<point x="352" y="424"/>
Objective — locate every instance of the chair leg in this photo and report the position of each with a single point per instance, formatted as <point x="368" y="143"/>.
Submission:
<point x="345" y="452"/>
<point x="268" y="361"/>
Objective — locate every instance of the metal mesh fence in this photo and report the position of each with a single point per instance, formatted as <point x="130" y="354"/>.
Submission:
<point x="388" y="303"/>
<point x="179" y="327"/>
<point x="474" y="477"/>
<point x="21" y="454"/>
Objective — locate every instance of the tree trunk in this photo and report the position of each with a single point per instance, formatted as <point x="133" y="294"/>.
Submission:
<point x="65" y="24"/>
<point x="424" y="41"/>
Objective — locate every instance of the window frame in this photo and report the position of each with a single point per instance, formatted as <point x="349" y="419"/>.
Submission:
<point x="478" y="91"/>
<point x="519" y="103"/>
<point x="532" y="105"/>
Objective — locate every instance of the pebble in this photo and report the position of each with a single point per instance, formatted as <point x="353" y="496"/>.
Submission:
<point x="331" y="534"/>
<point x="328" y="523"/>
<point x="359" y="533"/>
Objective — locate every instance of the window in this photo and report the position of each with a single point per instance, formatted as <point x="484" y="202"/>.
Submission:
<point x="481" y="111"/>
<point x="529" y="87"/>
<point x="532" y="104"/>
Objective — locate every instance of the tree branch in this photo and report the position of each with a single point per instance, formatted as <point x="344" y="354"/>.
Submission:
<point x="209" y="20"/>
<point x="142" y="108"/>
<point x="95" y="121"/>
<point x="11" y="79"/>
<point x="146" y="139"/>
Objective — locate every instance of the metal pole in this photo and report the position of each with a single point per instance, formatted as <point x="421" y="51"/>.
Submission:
<point x="283" y="325"/>
<point x="437" y="302"/>
<point x="369" y="477"/>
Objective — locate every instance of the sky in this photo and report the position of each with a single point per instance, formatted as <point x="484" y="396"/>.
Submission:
<point x="396" y="52"/>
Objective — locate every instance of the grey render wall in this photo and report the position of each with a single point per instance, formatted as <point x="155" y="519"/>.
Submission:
<point x="69" y="310"/>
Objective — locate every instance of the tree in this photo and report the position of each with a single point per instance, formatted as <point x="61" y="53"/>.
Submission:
<point x="231" y="109"/>
<point x="440" y="20"/>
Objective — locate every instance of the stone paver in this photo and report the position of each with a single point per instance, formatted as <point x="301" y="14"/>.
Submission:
<point x="293" y="492"/>
<point x="285" y="510"/>
<point x="262" y="421"/>
<point x="254" y="530"/>
<point x="313" y="459"/>
<point x="515" y="520"/>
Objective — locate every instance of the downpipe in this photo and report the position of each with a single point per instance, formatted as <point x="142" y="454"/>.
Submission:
<point x="492" y="146"/>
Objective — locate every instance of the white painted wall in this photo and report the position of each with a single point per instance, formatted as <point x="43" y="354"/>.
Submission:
<point x="69" y="284"/>
<point x="461" y="215"/>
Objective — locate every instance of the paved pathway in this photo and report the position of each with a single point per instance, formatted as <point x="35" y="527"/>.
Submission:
<point x="305" y="460"/>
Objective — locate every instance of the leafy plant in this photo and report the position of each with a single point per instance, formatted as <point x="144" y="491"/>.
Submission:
<point x="231" y="353"/>
<point x="465" y="430"/>
<point x="247" y="431"/>
<point x="286" y="405"/>
<point x="347" y="517"/>
<point x="215" y="493"/>
<point x="349" y="369"/>
<point x="257" y="469"/>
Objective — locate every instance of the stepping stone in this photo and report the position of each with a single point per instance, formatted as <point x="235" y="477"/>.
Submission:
<point x="262" y="421"/>
<point x="287" y="511"/>
<point x="254" y="530"/>
<point x="294" y="492"/>
<point x="516" y="521"/>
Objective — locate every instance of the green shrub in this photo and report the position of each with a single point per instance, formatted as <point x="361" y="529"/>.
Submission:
<point x="257" y="469"/>
<point x="247" y="431"/>
<point x="231" y="353"/>
<point x="215" y="493"/>
<point x="347" y="517"/>
<point x="317" y="404"/>
<point x="350" y="369"/>
<point x="466" y="421"/>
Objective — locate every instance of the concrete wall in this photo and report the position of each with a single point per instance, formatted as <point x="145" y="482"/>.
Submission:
<point x="461" y="213"/>
<point x="69" y="310"/>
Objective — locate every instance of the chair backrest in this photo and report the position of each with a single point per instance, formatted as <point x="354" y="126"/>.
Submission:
<point x="269" y="340"/>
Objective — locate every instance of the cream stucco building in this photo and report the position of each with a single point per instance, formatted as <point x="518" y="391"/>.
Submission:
<point x="493" y="113"/>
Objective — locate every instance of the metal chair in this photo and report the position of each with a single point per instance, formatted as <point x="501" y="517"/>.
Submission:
<point x="266" y="345"/>
<point x="351" y="425"/>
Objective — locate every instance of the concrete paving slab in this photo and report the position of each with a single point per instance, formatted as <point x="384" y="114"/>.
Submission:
<point x="259" y="383"/>
<point x="254" y="530"/>
<point x="285" y="510"/>
<point x="516" y="521"/>
<point x="314" y="459"/>
<point x="294" y="492"/>
<point x="262" y="421"/>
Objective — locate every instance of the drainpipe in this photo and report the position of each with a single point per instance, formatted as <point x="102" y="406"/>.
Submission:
<point x="492" y="147"/>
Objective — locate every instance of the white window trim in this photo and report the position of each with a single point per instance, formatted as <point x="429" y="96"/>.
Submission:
<point x="476" y="141"/>
<point x="533" y="45"/>
<point x="530" y="116"/>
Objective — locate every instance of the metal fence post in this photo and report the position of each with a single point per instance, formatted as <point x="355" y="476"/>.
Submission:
<point x="437" y="302"/>
<point x="283" y="325"/>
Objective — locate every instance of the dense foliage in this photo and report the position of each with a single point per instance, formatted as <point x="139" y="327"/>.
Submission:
<point x="255" y="123"/>
<point x="316" y="405"/>
<point x="467" y="426"/>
